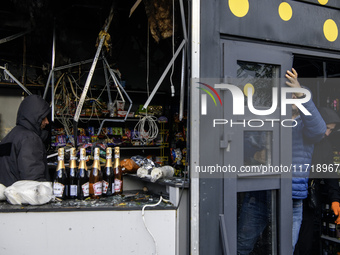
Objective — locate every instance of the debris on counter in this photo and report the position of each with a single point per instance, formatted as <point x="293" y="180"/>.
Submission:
<point x="162" y="172"/>
<point x="133" y="200"/>
<point x="2" y="192"/>
<point x="129" y="166"/>
<point x="144" y="173"/>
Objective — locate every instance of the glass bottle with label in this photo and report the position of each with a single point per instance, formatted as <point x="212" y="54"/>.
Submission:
<point x="332" y="224"/>
<point x="60" y="179"/>
<point x="108" y="176"/>
<point x="325" y="217"/>
<point x="117" y="170"/>
<point x="73" y="174"/>
<point x="82" y="176"/>
<point x="96" y="178"/>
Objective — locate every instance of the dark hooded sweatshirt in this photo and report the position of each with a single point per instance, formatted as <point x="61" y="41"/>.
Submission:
<point x="22" y="151"/>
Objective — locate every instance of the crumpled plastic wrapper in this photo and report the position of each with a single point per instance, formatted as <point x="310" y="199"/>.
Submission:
<point x="29" y="192"/>
<point x="143" y="172"/>
<point x="2" y="192"/>
<point x="144" y="162"/>
<point x="162" y="172"/>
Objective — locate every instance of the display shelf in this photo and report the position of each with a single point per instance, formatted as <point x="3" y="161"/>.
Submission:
<point x="173" y="182"/>
<point x="130" y="200"/>
<point x="332" y="239"/>
<point x="139" y="148"/>
<point x="95" y="118"/>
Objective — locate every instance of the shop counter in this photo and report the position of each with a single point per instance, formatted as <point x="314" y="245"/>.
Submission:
<point x="110" y="225"/>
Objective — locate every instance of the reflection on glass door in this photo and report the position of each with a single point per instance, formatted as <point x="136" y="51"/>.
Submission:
<point x="256" y="213"/>
<point x="257" y="148"/>
<point x="256" y="223"/>
<point x="262" y="77"/>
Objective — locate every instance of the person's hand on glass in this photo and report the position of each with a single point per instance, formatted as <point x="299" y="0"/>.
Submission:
<point x="292" y="77"/>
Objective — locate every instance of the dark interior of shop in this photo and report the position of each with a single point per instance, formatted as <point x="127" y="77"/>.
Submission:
<point x="28" y="28"/>
<point x="141" y="46"/>
<point x="322" y="77"/>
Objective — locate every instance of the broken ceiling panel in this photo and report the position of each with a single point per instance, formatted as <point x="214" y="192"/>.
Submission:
<point x="159" y="14"/>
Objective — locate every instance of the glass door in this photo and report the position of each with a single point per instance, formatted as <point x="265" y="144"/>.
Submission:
<point x="257" y="209"/>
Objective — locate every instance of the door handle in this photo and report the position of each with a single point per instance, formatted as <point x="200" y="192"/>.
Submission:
<point x="225" y="143"/>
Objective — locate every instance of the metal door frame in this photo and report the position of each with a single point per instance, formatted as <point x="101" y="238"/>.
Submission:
<point x="252" y="52"/>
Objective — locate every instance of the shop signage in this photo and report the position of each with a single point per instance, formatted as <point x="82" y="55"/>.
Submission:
<point x="239" y="105"/>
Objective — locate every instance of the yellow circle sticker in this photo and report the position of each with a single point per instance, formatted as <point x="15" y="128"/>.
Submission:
<point x="330" y="30"/>
<point x="285" y="11"/>
<point x="323" y="2"/>
<point x="246" y="87"/>
<point x="239" y="8"/>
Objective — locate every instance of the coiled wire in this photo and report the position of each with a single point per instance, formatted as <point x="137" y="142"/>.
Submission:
<point x="144" y="135"/>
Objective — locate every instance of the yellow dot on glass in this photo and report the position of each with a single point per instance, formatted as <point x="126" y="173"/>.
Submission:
<point x="239" y="8"/>
<point x="245" y="89"/>
<point x="323" y="2"/>
<point x="330" y="30"/>
<point x="285" y="11"/>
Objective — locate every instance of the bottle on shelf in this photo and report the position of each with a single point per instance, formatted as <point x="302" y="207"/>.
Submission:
<point x="108" y="176"/>
<point x="60" y="181"/>
<point x="118" y="180"/>
<point x="328" y="102"/>
<point x="73" y="174"/>
<point x="337" y="230"/>
<point x="82" y="176"/>
<point x="331" y="224"/>
<point x="325" y="217"/>
<point x="96" y="178"/>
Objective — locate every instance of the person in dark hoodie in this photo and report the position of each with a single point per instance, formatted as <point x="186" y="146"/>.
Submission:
<point x="322" y="155"/>
<point x="22" y="150"/>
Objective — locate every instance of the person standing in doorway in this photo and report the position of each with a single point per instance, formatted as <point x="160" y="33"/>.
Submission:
<point x="309" y="129"/>
<point x="323" y="155"/>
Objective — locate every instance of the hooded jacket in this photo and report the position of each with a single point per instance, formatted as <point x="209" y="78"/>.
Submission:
<point x="309" y="130"/>
<point x="22" y="151"/>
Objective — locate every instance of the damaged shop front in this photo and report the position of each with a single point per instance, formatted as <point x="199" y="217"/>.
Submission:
<point x="116" y="77"/>
<point x="153" y="78"/>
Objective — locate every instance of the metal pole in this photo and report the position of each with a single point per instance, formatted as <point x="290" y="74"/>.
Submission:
<point x="164" y="74"/>
<point x="184" y="26"/>
<point x="107" y="83"/>
<point x="52" y="69"/>
<point x="181" y="99"/>
<point x="73" y="64"/>
<point x="88" y="80"/>
<point x="195" y="128"/>
<point x="16" y="81"/>
<point x="89" y="77"/>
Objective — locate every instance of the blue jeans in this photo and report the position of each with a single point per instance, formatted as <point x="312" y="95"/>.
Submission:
<point x="253" y="218"/>
<point x="255" y="215"/>
<point x="297" y="219"/>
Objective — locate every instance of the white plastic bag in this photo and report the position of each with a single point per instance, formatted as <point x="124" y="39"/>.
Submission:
<point x="2" y="192"/>
<point x="29" y="192"/>
<point x="162" y="172"/>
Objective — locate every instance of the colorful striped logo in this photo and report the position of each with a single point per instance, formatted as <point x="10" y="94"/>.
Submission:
<point x="204" y="97"/>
